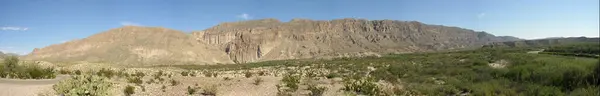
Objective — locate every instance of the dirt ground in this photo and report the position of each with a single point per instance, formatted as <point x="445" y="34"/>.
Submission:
<point x="19" y="87"/>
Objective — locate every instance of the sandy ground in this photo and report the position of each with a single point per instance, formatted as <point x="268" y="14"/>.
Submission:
<point x="20" y="87"/>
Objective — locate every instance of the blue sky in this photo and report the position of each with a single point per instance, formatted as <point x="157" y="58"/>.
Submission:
<point x="29" y="24"/>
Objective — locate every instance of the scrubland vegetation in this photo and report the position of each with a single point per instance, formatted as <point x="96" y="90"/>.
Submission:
<point x="450" y="73"/>
<point x="481" y="72"/>
<point x="13" y="68"/>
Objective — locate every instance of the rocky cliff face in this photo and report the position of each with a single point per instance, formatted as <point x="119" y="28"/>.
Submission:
<point x="134" y="45"/>
<point x="262" y="40"/>
<point x="270" y="39"/>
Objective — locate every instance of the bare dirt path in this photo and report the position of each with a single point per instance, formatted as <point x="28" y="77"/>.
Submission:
<point x="20" y="87"/>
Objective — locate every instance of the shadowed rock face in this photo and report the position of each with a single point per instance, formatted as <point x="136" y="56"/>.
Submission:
<point x="270" y="39"/>
<point x="133" y="45"/>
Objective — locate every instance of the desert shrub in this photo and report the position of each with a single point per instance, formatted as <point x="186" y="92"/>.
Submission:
<point x="291" y="81"/>
<point x="135" y="80"/>
<point x="362" y="86"/>
<point x="174" y="83"/>
<point x="11" y="69"/>
<point x="257" y="81"/>
<point x="315" y="90"/>
<point x="143" y="88"/>
<point x="129" y="90"/>
<point x="150" y="81"/>
<point x="83" y="85"/>
<point x="77" y="72"/>
<point x="158" y="74"/>
<point x="11" y="63"/>
<point x="248" y="74"/>
<point x="191" y="91"/>
<point x="163" y="88"/>
<point x="227" y="78"/>
<point x="139" y="74"/>
<point x="122" y="73"/>
<point x="185" y="73"/>
<point x="64" y="71"/>
<point x="210" y="90"/>
<point x="586" y="91"/>
<point x="262" y="73"/>
<point x="332" y="75"/>
<point x="106" y="73"/>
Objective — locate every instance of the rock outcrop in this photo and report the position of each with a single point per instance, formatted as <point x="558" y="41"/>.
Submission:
<point x="134" y="45"/>
<point x="271" y="39"/>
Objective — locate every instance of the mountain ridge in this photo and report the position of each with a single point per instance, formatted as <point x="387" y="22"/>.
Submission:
<point x="264" y="40"/>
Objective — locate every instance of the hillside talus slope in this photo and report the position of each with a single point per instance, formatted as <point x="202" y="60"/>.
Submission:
<point x="270" y="39"/>
<point x="134" y="45"/>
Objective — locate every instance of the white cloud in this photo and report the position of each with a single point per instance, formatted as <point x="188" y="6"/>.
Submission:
<point x="128" y="23"/>
<point x="10" y="28"/>
<point x="244" y="16"/>
<point x="480" y="15"/>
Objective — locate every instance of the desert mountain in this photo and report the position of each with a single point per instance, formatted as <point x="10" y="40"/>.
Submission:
<point x="134" y="45"/>
<point x="263" y="40"/>
<point x="271" y="39"/>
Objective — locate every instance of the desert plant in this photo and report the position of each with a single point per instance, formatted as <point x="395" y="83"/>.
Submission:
<point x="139" y="74"/>
<point x="185" y="73"/>
<point x="77" y="72"/>
<point x="248" y="74"/>
<point x="106" y="73"/>
<point x="174" y="83"/>
<point x="262" y="73"/>
<point x="158" y="74"/>
<point x="11" y="63"/>
<point x="83" y="85"/>
<point x="257" y="81"/>
<point x="190" y="90"/>
<point x="163" y="88"/>
<point x="64" y="71"/>
<point x="362" y="86"/>
<point x="291" y="81"/>
<point x="227" y="78"/>
<point x="129" y="90"/>
<point x="315" y="90"/>
<point x="135" y="80"/>
<point x="210" y="90"/>
<point x="332" y="75"/>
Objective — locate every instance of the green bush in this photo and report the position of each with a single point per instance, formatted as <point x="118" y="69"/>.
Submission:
<point x="185" y="73"/>
<point x="106" y="73"/>
<point x="291" y="81"/>
<point x="139" y="74"/>
<point x="129" y="90"/>
<point x="257" y="81"/>
<point x="83" y="85"/>
<point x="315" y="90"/>
<point x="332" y="75"/>
<point x="248" y="74"/>
<point x="135" y="80"/>
<point x="191" y="91"/>
<point x="362" y="86"/>
<point x="210" y="90"/>
<point x="11" y="63"/>
<point x="174" y="83"/>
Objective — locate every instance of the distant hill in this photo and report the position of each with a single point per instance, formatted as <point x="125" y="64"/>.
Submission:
<point x="263" y="40"/>
<point x="544" y="42"/>
<point x="134" y="45"/>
